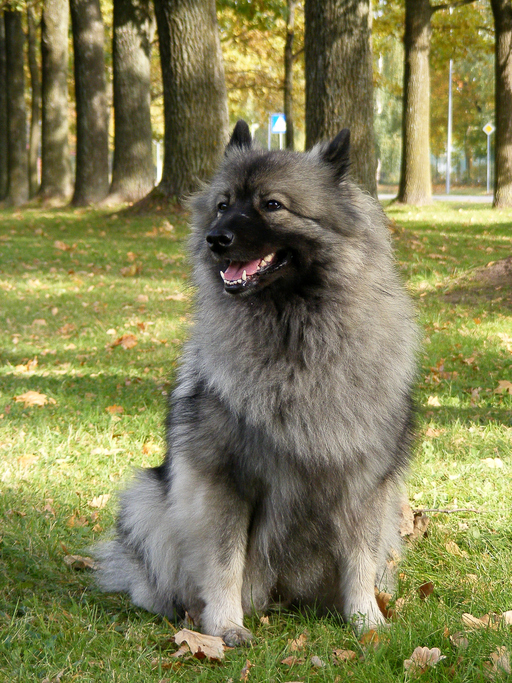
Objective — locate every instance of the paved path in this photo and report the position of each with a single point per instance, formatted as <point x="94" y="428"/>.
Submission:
<point x="477" y="199"/>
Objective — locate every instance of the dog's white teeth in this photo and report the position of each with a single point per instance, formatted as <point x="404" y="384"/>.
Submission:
<point x="223" y="276"/>
<point x="244" y="275"/>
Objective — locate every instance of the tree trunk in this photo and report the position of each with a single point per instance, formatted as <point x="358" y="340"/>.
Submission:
<point x="133" y="170"/>
<point x="415" y="180"/>
<point x="91" y="183"/>
<point x="195" y="101"/>
<point x="17" y="115"/>
<point x="502" y="11"/>
<point x="56" y="167"/>
<point x="339" y="85"/>
<point x="4" y="137"/>
<point x="35" y="82"/>
<point x="288" y="73"/>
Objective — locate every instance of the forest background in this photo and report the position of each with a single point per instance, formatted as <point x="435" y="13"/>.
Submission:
<point x="253" y="37"/>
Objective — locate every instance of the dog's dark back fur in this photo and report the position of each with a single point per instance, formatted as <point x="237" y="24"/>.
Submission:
<point x="289" y="428"/>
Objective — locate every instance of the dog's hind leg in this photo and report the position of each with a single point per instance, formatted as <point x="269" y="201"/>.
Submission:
<point x="212" y="525"/>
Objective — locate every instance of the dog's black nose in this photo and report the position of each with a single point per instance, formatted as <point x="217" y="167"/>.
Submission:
<point x="220" y="237"/>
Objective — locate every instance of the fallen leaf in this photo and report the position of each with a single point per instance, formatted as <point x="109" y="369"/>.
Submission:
<point x="34" y="398"/>
<point x="341" y="656"/>
<point x="434" y="401"/>
<point x="76" y="521"/>
<point x="504" y="387"/>
<point x="406" y="520"/>
<point x="79" y="562"/>
<point x="30" y="366"/>
<point x="131" y="271"/>
<point x="27" y="460"/>
<point x="453" y="549"/>
<point x="426" y="589"/>
<point x="201" y="645"/>
<point x="265" y="621"/>
<point x="299" y="643"/>
<point x="422" y="659"/>
<point x="472" y="622"/>
<point x="317" y="663"/>
<point x="292" y="660"/>
<point x="244" y="674"/>
<point x="62" y="246"/>
<point x="183" y="650"/>
<point x="383" y="600"/>
<point x="127" y="341"/>
<point x="99" y="501"/>
<point x="493" y="463"/>
<point x="459" y="640"/>
<point x="115" y="410"/>
<point x="500" y="663"/>
<point x="371" y="637"/>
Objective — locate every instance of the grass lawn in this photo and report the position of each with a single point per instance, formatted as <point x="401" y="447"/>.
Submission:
<point x="95" y="308"/>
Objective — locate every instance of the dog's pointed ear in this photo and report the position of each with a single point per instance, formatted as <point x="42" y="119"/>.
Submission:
<point x="337" y="153"/>
<point x="241" y="136"/>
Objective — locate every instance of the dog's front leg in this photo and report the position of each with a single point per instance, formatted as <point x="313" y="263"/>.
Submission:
<point x="212" y="523"/>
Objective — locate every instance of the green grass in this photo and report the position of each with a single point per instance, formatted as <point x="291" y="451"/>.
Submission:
<point x="72" y="284"/>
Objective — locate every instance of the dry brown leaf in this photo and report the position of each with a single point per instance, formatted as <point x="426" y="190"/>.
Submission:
<point x="453" y="549"/>
<point x="341" y="656"/>
<point x="504" y="387"/>
<point x="459" y="640"/>
<point x="299" y="643"/>
<point x="265" y="621"/>
<point x="292" y="660"/>
<point x="472" y="622"/>
<point x="507" y="618"/>
<point x="76" y="521"/>
<point x="421" y="523"/>
<point x="127" y="341"/>
<point x="34" y="398"/>
<point x="131" y="271"/>
<point x="79" y="562"/>
<point x="164" y="664"/>
<point x="434" y="401"/>
<point x="99" y="502"/>
<point x="501" y="661"/>
<point x="244" y="674"/>
<point x="383" y="600"/>
<point x="62" y="246"/>
<point x="201" y="645"/>
<point x="426" y="589"/>
<point x="422" y="659"/>
<point x="317" y="663"/>
<point x="26" y="460"/>
<point x="407" y="520"/>
<point x="30" y="366"/>
<point x="115" y="410"/>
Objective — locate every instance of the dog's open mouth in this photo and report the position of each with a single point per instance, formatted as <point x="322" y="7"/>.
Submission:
<point x="240" y="275"/>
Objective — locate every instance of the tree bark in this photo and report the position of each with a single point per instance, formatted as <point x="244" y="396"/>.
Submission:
<point x="133" y="170"/>
<point x="502" y="11"/>
<point x="288" y="73"/>
<point x="195" y="101"/>
<point x="16" y="112"/>
<point x="4" y="137"/>
<point x="35" y="82"/>
<point x="56" y="183"/>
<point x="339" y="80"/>
<point x="415" y="180"/>
<point x="91" y="182"/>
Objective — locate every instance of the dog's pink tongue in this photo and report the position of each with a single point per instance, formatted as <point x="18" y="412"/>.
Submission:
<point x="236" y="268"/>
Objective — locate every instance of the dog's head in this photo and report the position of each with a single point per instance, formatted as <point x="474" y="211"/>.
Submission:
<point x="272" y="217"/>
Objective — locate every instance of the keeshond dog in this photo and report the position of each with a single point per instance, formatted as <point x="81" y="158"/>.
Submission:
<point x="289" y="429"/>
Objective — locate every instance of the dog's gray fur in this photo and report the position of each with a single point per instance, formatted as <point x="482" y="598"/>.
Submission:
<point x="289" y="428"/>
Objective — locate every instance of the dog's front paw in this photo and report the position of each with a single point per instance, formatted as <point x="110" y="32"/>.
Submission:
<point x="234" y="637"/>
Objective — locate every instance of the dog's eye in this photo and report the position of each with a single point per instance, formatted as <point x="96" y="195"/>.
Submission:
<point x="272" y="205"/>
<point x="222" y="206"/>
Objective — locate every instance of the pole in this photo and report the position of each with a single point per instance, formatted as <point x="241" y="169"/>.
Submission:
<point x="488" y="164"/>
<point x="449" y="141"/>
<point x="269" y="132"/>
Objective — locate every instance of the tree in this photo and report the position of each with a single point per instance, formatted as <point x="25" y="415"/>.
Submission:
<point x="35" y="83"/>
<point x="288" y="73"/>
<point x="4" y="136"/>
<point x="17" y="117"/>
<point x="133" y="171"/>
<point x="415" y="181"/>
<point x="502" y="11"/>
<point x="339" y="88"/>
<point x="195" y="107"/>
<point x="56" y="168"/>
<point x="91" y="182"/>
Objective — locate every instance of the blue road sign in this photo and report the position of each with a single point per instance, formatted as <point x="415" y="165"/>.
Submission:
<point x="278" y="123"/>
